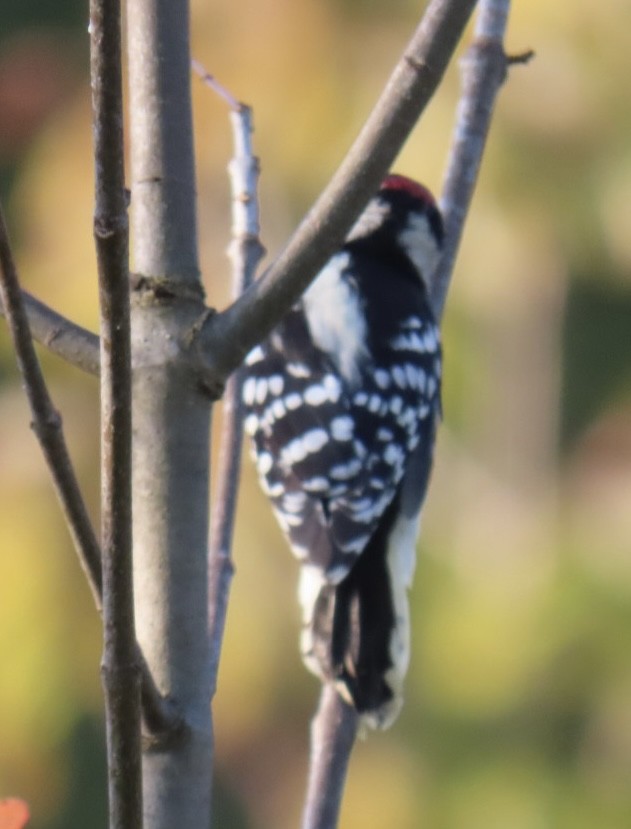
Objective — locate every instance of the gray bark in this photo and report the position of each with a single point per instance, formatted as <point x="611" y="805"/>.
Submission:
<point x="170" y="413"/>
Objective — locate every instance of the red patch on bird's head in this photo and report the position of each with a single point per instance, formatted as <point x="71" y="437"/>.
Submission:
<point x="408" y="185"/>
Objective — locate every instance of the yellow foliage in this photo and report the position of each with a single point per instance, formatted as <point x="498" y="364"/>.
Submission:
<point x="511" y="529"/>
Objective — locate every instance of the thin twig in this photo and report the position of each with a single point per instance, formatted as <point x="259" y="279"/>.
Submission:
<point x="333" y="729"/>
<point x="483" y="71"/>
<point x="521" y="58"/>
<point x="411" y="86"/>
<point x="333" y="733"/>
<point x="158" y="712"/>
<point x="213" y="83"/>
<point x="227" y="337"/>
<point x="121" y="676"/>
<point x="245" y="253"/>
<point x="46" y="420"/>
<point x="76" y="345"/>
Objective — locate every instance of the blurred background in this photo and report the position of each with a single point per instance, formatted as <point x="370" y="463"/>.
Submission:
<point x="518" y="706"/>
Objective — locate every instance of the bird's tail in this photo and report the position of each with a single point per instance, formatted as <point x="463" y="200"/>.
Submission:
<point x="356" y="632"/>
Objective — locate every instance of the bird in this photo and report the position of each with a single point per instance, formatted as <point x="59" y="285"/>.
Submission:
<point x="342" y="404"/>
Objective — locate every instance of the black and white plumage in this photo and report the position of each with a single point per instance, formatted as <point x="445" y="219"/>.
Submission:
<point x="342" y="403"/>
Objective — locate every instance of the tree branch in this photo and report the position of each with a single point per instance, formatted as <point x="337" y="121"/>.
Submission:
<point x="484" y="69"/>
<point x="158" y="712"/>
<point x="120" y="669"/>
<point x="483" y="72"/>
<point x="71" y="342"/>
<point x="171" y="413"/>
<point x="227" y="337"/>
<point x="333" y="732"/>
<point x="46" y="420"/>
<point x="245" y="253"/>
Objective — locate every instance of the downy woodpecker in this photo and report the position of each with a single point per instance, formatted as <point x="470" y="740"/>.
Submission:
<point x="342" y="402"/>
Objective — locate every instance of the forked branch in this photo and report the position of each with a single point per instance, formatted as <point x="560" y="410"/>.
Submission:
<point x="46" y="422"/>
<point x="227" y="337"/>
<point x="484" y="70"/>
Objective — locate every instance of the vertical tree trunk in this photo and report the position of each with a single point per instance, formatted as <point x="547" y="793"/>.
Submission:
<point x="170" y="414"/>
